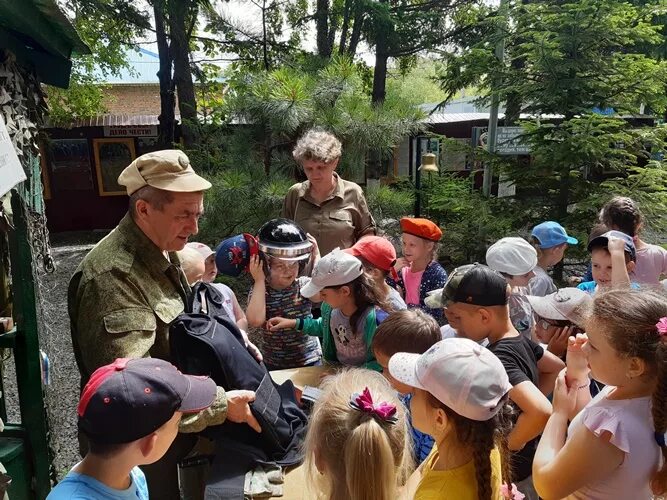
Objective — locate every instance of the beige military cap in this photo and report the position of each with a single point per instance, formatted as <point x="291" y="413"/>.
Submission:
<point x="169" y="169"/>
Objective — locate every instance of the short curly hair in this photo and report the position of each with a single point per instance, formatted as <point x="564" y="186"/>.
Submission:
<point x="317" y="144"/>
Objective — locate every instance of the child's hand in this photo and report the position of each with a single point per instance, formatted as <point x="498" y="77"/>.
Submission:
<point x="256" y="268"/>
<point x="564" y="397"/>
<point x="252" y="348"/>
<point x="576" y="363"/>
<point x="615" y="245"/>
<point x="275" y="324"/>
<point x="315" y="251"/>
<point x="401" y="262"/>
<point x="558" y="343"/>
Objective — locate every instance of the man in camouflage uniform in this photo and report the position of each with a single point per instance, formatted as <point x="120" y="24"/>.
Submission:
<point x="130" y="287"/>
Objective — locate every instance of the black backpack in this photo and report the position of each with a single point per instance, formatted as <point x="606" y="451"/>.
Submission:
<point x="210" y="343"/>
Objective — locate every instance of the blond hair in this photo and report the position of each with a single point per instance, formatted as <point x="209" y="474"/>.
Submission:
<point x="364" y="458"/>
<point x="317" y="144"/>
<point x="191" y="262"/>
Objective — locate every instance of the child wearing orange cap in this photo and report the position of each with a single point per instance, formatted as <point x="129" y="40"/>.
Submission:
<point x="378" y="257"/>
<point x="418" y="271"/>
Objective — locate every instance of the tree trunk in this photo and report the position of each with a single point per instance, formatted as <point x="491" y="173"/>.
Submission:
<point x="322" y="25"/>
<point x="357" y="26"/>
<point x="166" y="118"/>
<point x="179" y="29"/>
<point x="265" y="50"/>
<point x="345" y="28"/>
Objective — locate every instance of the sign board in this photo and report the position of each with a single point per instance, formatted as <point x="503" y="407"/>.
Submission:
<point x="509" y="141"/>
<point x="11" y="171"/>
<point x="132" y="131"/>
<point x="506" y="187"/>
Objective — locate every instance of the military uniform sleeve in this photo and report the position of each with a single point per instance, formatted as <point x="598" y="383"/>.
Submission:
<point x="213" y="415"/>
<point x="113" y="321"/>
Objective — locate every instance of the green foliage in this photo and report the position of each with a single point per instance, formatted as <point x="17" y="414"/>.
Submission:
<point x="389" y="203"/>
<point x="109" y="28"/>
<point x="288" y="101"/>
<point x="241" y="200"/>
<point x="564" y="59"/>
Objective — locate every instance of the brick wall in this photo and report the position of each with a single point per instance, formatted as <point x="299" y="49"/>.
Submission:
<point x="133" y="99"/>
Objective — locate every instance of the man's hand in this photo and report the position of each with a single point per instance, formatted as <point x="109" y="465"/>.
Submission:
<point x="238" y="408"/>
<point x="256" y="269"/>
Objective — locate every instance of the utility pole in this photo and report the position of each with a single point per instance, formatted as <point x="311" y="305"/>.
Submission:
<point x="495" y="100"/>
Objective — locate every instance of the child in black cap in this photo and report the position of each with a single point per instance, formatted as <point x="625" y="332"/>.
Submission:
<point x="475" y="299"/>
<point x="130" y="411"/>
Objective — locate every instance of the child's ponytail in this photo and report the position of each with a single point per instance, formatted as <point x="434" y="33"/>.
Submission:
<point x="367" y="454"/>
<point x="354" y="448"/>
<point x="659" y="481"/>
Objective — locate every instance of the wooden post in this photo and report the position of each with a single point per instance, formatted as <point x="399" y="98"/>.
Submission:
<point x="26" y="349"/>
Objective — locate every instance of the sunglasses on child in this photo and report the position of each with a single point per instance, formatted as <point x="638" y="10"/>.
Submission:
<point x="546" y="323"/>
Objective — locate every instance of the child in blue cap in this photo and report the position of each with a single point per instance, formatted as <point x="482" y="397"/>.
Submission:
<point x="550" y="240"/>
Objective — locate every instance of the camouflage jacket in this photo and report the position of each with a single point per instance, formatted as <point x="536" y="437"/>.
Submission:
<point x="122" y="298"/>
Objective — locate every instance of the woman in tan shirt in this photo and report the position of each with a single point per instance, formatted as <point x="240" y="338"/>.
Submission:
<point x="331" y="209"/>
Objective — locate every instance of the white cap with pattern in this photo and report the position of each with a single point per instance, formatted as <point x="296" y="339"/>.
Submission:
<point x="460" y="373"/>
<point x="334" y="269"/>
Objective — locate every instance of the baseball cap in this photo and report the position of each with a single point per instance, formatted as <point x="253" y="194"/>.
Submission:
<point x="551" y="234"/>
<point x="603" y="241"/>
<point x="232" y="256"/>
<point x="378" y="251"/>
<point x="130" y="398"/>
<point x="423" y="228"/>
<point x="334" y="269"/>
<point x="565" y="304"/>
<point x="168" y="169"/>
<point x="514" y="256"/>
<point x="474" y="284"/>
<point x="204" y="250"/>
<point x="460" y="373"/>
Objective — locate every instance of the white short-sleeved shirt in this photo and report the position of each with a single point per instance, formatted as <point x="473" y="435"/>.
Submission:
<point x="651" y="263"/>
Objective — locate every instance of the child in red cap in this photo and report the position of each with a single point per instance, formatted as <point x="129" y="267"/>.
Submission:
<point x="378" y="256"/>
<point x="418" y="271"/>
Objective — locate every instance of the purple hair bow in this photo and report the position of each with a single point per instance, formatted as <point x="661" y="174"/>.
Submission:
<point x="364" y="403"/>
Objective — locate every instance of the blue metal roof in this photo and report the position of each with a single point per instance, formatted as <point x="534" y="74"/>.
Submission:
<point x="143" y="68"/>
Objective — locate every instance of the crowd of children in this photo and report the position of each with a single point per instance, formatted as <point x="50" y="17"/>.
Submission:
<point x="491" y="388"/>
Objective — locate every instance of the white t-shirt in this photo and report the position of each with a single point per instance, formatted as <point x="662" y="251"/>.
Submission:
<point x="228" y="296"/>
<point x="541" y="284"/>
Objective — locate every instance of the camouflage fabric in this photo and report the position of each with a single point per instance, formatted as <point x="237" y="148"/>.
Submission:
<point x="122" y="298"/>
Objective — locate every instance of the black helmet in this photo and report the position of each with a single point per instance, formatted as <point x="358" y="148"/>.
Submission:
<point x="284" y="239"/>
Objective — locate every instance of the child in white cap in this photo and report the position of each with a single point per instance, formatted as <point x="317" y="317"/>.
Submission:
<point x="208" y="274"/>
<point x="516" y="260"/>
<point x="461" y="399"/>
<point x="352" y="308"/>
